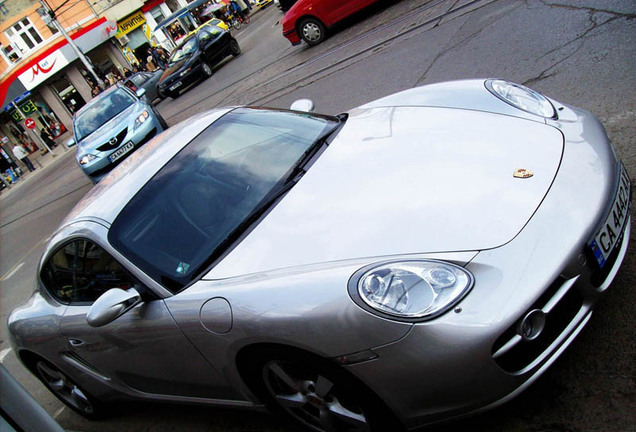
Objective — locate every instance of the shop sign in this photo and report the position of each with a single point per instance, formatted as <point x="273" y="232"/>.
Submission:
<point x="23" y="111"/>
<point x="42" y="70"/>
<point x="130" y="23"/>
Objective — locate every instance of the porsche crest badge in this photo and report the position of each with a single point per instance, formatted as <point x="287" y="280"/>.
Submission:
<point x="522" y="173"/>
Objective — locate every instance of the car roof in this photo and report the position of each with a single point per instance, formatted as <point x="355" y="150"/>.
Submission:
<point x="111" y="194"/>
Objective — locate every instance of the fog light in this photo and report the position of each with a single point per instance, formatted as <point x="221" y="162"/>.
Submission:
<point x="532" y="325"/>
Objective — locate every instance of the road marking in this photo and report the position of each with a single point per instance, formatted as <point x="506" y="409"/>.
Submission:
<point x="58" y="412"/>
<point x="4" y="353"/>
<point x="21" y="260"/>
<point x="12" y="272"/>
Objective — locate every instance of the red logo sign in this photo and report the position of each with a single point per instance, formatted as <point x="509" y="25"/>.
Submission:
<point x="29" y="122"/>
<point x="38" y="68"/>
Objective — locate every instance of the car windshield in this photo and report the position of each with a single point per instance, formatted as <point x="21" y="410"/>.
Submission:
<point x="209" y="194"/>
<point x="182" y="52"/>
<point x="100" y="112"/>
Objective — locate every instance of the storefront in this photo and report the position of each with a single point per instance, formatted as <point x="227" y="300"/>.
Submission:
<point x="43" y="94"/>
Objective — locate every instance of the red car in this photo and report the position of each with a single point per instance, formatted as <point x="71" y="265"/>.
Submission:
<point x="308" y="20"/>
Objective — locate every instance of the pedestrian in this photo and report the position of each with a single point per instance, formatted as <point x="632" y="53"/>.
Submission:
<point x="156" y="57"/>
<point x="45" y="134"/>
<point x="20" y="153"/>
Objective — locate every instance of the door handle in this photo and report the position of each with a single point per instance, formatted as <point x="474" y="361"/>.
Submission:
<point x="75" y="343"/>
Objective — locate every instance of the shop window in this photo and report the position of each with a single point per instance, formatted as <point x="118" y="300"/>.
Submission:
<point x="23" y="35"/>
<point x="68" y="94"/>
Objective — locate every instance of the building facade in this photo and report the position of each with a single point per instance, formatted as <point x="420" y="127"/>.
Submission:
<point x="42" y="80"/>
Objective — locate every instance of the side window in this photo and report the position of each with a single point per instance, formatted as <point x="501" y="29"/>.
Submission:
<point x="81" y="271"/>
<point x="204" y="36"/>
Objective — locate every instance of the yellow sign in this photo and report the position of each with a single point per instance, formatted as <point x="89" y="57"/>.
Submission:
<point x="130" y="23"/>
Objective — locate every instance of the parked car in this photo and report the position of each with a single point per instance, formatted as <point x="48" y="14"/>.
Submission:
<point x="308" y="20"/>
<point x="424" y="256"/>
<point x="195" y="57"/>
<point x="146" y="80"/>
<point x="110" y="127"/>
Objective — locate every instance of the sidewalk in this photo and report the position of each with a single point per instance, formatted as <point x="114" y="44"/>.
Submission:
<point x="42" y="162"/>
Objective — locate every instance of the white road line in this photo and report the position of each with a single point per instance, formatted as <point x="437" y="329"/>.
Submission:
<point x="58" y="412"/>
<point x="12" y="272"/>
<point x="4" y="353"/>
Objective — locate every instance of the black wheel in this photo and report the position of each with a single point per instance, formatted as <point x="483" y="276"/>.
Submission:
<point x="235" y="49"/>
<point x="320" y="396"/>
<point x="207" y="70"/>
<point x="69" y="392"/>
<point x="162" y="122"/>
<point x="312" y="31"/>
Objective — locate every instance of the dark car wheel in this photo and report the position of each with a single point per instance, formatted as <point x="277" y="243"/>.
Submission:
<point x="235" y="49"/>
<point x="207" y="70"/>
<point x="312" y="31"/>
<point x="69" y="392"/>
<point x="320" y="396"/>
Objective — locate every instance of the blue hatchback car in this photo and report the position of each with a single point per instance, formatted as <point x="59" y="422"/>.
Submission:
<point x="111" y="126"/>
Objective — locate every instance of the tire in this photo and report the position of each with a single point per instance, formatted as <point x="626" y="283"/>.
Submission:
<point x="162" y="122"/>
<point x="312" y="31"/>
<point x="320" y="396"/>
<point x="69" y="392"/>
<point x="235" y="49"/>
<point x="207" y="70"/>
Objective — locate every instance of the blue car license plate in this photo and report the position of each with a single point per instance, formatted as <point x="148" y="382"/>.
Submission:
<point x="121" y="151"/>
<point x="611" y="232"/>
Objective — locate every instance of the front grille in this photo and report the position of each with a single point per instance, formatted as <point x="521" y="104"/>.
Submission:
<point x="109" y="167"/>
<point x="118" y="139"/>
<point x="560" y="302"/>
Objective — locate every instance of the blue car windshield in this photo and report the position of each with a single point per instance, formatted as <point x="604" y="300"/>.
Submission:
<point x="204" y="199"/>
<point x="100" y="112"/>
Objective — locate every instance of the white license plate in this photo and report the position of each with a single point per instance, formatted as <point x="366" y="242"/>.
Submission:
<point x="176" y="86"/>
<point x="122" y="151"/>
<point x="612" y="229"/>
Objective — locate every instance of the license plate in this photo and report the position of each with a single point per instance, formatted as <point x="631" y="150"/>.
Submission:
<point x="612" y="229"/>
<point x="122" y="151"/>
<point x="176" y="86"/>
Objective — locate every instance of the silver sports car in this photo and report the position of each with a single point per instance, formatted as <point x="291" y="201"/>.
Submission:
<point x="419" y="258"/>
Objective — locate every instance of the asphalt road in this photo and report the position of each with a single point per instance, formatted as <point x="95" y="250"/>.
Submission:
<point x="579" y="52"/>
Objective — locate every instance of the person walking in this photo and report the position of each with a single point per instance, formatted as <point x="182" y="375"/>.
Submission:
<point x="20" y="153"/>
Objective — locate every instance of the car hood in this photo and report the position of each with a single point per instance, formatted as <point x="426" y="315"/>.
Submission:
<point x="109" y="129"/>
<point x="170" y="71"/>
<point x="406" y="180"/>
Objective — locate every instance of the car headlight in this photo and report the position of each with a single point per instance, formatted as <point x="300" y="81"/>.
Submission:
<point x="141" y="119"/>
<point x="87" y="158"/>
<point x="522" y="97"/>
<point x="416" y="290"/>
<point x="185" y="72"/>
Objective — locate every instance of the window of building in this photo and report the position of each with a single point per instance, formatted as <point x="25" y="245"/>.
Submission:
<point x="157" y="14"/>
<point x="23" y="35"/>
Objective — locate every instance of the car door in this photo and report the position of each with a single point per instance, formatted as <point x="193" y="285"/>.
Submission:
<point x="143" y="349"/>
<point x="211" y="44"/>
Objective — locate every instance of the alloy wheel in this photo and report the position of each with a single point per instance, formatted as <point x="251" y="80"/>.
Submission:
<point x="64" y="388"/>
<point x="314" y="397"/>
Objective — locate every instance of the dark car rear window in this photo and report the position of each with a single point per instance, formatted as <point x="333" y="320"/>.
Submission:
<point x="187" y="212"/>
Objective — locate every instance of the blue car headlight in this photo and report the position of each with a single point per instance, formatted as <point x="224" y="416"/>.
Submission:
<point x="522" y="97"/>
<point x="87" y="158"/>
<point x="416" y="290"/>
<point x="141" y="119"/>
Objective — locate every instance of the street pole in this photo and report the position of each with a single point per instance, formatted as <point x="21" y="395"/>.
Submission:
<point x="48" y="16"/>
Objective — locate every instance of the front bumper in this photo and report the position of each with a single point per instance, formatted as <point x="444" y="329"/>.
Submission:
<point x="292" y="36"/>
<point x="98" y="168"/>
<point x="474" y="357"/>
